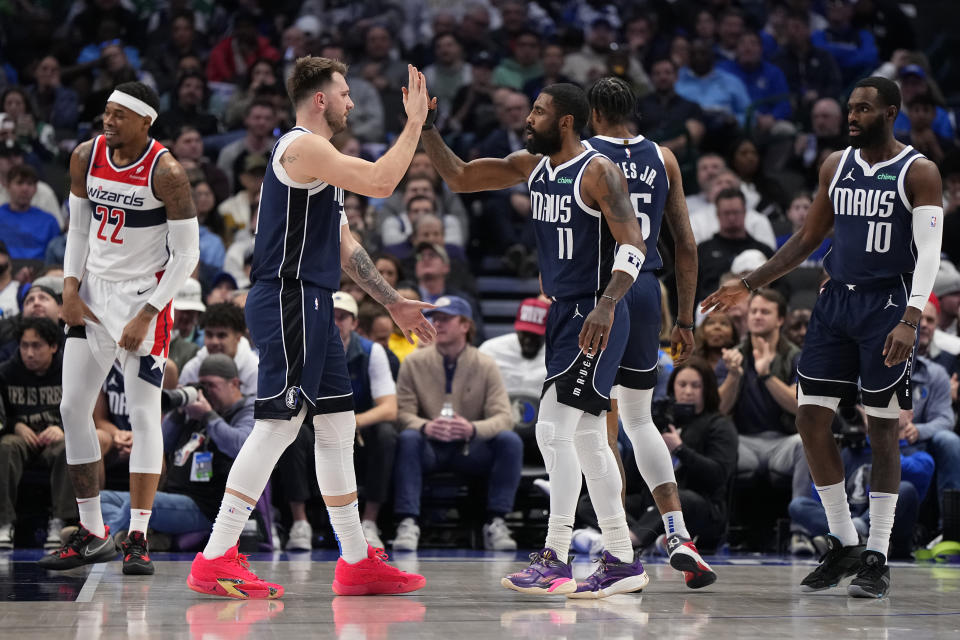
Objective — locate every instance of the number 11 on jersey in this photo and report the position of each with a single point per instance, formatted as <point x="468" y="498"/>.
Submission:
<point x="565" y="236"/>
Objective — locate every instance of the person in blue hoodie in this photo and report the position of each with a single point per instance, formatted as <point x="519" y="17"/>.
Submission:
<point x="765" y="82"/>
<point x="855" y="50"/>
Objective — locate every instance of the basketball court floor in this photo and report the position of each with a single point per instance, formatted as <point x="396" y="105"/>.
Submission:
<point x="756" y="597"/>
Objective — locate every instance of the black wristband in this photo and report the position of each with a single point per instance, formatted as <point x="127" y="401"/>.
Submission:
<point x="431" y="119"/>
<point x="747" y="285"/>
<point x="909" y="324"/>
<point x="689" y="327"/>
<point x="764" y="377"/>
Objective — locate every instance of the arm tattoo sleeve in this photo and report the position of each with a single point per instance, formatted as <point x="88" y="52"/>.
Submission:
<point x="364" y="272"/>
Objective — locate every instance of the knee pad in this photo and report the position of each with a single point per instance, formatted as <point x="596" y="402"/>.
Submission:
<point x="146" y="453"/>
<point x="593" y="453"/>
<point x="546" y="433"/>
<point x="335" y="433"/>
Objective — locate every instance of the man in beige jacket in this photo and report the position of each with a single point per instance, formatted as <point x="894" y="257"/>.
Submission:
<point x="454" y="415"/>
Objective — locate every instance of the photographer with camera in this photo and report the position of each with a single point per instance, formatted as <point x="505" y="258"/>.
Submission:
<point x="201" y="438"/>
<point x="703" y="445"/>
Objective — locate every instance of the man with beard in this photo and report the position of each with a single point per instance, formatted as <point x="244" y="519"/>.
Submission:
<point x="520" y="355"/>
<point x="581" y="212"/>
<point x="883" y="201"/>
<point x="302" y="242"/>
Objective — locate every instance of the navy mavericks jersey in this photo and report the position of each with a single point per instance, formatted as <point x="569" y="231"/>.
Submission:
<point x="114" y="388"/>
<point x="574" y="244"/>
<point x="298" y="226"/>
<point x="642" y="163"/>
<point x="872" y="219"/>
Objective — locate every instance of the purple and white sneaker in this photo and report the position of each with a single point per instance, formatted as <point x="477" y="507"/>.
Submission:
<point x="546" y="575"/>
<point x="612" y="577"/>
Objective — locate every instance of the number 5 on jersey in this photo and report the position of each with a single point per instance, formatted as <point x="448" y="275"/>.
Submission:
<point x="109" y="216"/>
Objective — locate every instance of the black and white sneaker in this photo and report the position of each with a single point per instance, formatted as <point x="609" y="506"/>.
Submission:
<point x="836" y="564"/>
<point x="81" y="548"/>
<point x="136" y="559"/>
<point x="873" y="578"/>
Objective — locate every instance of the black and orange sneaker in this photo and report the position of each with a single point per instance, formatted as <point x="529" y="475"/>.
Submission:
<point x="81" y="548"/>
<point x="136" y="559"/>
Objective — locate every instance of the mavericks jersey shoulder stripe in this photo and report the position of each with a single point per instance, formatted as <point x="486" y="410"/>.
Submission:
<point x="128" y="231"/>
<point x="873" y="219"/>
<point x="298" y="225"/>
<point x="642" y="164"/>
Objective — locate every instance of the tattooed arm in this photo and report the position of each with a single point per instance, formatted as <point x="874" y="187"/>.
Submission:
<point x="408" y="314"/>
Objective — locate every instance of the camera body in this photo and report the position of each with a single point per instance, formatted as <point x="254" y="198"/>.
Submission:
<point x="667" y="411"/>
<point x="852" y="431"/>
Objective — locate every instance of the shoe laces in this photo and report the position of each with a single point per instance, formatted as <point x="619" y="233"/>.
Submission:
<point x="871" y="571"/>
<point x="74" y="542"/>
<point x="135" y="545"/>
<point x="244" y="563"/>
<point x="601" y="566"/>
<point x="380" y="554"/>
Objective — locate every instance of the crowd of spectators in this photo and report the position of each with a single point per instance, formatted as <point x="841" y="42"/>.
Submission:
<point x="749" y="95"/>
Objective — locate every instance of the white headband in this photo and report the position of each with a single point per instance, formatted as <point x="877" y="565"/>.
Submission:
<point x="136" y="105"/>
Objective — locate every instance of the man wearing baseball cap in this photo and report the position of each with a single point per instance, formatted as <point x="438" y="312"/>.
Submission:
<point x="521" y="355"/>
<point x="454" y="415"/>
<point x="187" y="307"/>
<point x="914" y="83"/>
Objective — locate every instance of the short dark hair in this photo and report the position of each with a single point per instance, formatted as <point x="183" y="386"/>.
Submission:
<point x="570" y="100"/>
<point x="312" y="74"/>
<point x="798" y="15"/>
<point x="389" y="257"/>
<point x="23" y="172"/>
<point x="140" y="91"/>
<point x="925" y="98"/>
<point x="730" y="193"/>
<point x="772" y="295"/>
<point x="369" y="311"/>
<point x="887" y="90"/>
<point x="711" y="394"/>
<point x="259" y="102"/>
<point x="423" y="198"/>
<point x="46" y="328"/>
<point x="613" y="99"/>
<point x="224" y="314"/>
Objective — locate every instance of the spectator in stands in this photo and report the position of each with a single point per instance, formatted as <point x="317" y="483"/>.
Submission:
<point x="913" y="83"/>
<point x="731" y="29"/>
<point x="922" y="111"/>
<point x="375" y="405"/>
<point x="237" y="210"/>
<point x="474" y="29"/>
<point x="367" y="116"/>
<point x="714" y="335"/>
<point x="56" y="104"/>
<point x="448" y="73"/>
<point x="795" y="328"/>
<point x="854" y="50"/>
<point x="43" y="299"/>
<point x="187" y="307"/>
<point x="26" y="230"/>
<point x="465" y="426"/>
<point x="828" y="133"/>
<point x="765" y="83"/>
<point x="553" y="63"/>
<point x="163" y="55"/>
<point x="435" y="278"/>
<point x="9" y="287"/>
<point x="811" y="72"/>
<point x="422" y="179"/>
<point x="513" y="108"/>
<point x="589" y="63"/>
<point x="399" y="227"/>
<point x="261" y="73"/>
<point x="764" y="193"/>
<point x="188" y="145"/>
<point x="722" y="95"/>
<point x="521" y="355"/>
<point x="706" y="222"/>
<point x="709" y="166"/>
<point x="387" y="74"/>
<point x="763" y="396"/>
<point x="44" y="199"/>
<point x="674" y="121"/>
<point x="797" y="215"/>
<point x="389" y="267"/>
<point x="259" y="121"/>
<point x="222" y="289"/>
<point x="189" y="107"/>
<point x="472" y="113"/>
<point x="927" y="339"/>
<point x="32" y="134"/>
<point x="514" y="19"/>
<point x="200" y="441"/>
<point x="234" y="54"/>
<point x="30" y="390"/>
<point x="223" y="329"/>
<point x="524" y="63"/>
<point x="947" y="289"/>
<point x="212" y="230"/>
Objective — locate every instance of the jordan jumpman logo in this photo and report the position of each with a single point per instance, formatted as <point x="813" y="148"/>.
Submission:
<point x="890" y="302"/>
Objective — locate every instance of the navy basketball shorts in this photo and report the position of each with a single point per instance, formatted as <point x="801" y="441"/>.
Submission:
<point x="843" y="348"/>
<point x="638" y="369"/>
<point x="583" y="381"/>
<point x="301" y="354"/>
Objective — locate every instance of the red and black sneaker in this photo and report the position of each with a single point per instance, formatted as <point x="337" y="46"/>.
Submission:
<point x="136" y="559"/>
<point x="685" y="557"/>
<point x="81" y="548"/>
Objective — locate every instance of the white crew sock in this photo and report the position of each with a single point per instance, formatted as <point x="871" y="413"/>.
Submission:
<point x="882" y="509"/>
<point x="346" y="525"/>
<point x="234" y="513"/>
<point x="559" y="535"/>
<point x="834" y="499"/>
<point x="673" y="524"/>
<point x="616" y="538"/>
<point x="139" y="519"/>
<point x="91" y="518"/>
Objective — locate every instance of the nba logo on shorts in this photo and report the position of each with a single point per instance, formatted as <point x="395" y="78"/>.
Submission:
<point x="291" y="400"/>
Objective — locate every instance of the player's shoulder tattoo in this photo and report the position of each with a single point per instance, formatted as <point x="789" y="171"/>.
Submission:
<point x="172" y="186"/>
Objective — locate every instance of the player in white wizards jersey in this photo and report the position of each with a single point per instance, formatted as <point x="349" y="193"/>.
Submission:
<point x="883" y="201"/>
<point x="132" y="243"/>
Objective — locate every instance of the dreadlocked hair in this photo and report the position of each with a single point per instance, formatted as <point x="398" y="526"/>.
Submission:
<point x="613" y="99"/>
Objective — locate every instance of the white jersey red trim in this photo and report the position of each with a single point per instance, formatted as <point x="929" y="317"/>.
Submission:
<point x="128" y="232"/>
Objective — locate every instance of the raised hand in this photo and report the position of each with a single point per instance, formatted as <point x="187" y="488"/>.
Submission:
<point x="415" y="95"/>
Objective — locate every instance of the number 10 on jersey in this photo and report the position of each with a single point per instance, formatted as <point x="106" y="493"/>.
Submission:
<point x="878" y="236"/>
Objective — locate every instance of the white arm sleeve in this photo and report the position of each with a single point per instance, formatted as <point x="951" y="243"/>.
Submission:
<point x="381" y="380"/>
<point x="75" y="255"/>
<point x="183" y="238"/>
<point x="927" y="235"/>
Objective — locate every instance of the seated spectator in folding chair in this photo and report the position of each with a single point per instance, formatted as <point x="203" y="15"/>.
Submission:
<point x="31" y="427"/>
<point x="465" y="426"/>
<point x="200" y="441"/>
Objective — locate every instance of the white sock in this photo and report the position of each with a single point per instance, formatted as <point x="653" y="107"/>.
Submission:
<point x="345" y="521"/>
<point x="91" y="518"/>
<point x="139" y="519"/>
<point x="673" y="524"/>
<point x="234" y="513"/>
<point x="882" y="508"/>
<point x="616" y="538"/>
<point x="559" y="534"/>
<point x="834" y="499"/>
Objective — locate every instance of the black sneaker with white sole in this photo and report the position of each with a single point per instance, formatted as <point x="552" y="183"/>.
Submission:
<point x="836" y="564"/>
<point x="873" y="579"/>
<point x="136" y="559"/>
<point x="81" y="548"/>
